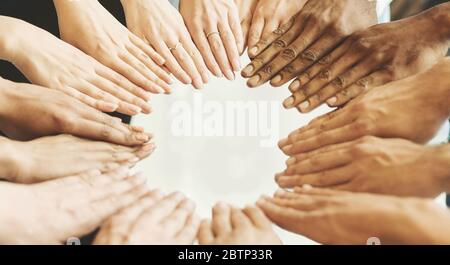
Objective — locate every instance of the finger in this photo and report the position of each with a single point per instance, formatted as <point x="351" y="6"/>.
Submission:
<point x="221" y="220"/>
<point x="186" y="62"/>
<point x="245" y="25"/>
<point x="311" y="191"/>
<point x="343" y="81"/>
<point x="254" y="35"/>
<point x="105" y="101"/>
<point x="123" y="82"/>
<point x="138" y="73"/>
<point x="284" y="33"/>
<point x="147" y="49"/>
<point x="189" y="232"/>
<point x="321" y="162"/>
<point x="327" y="149"/>
<point x="171" y="63"/>
<point x="197" y="57"/>
<point x="325" y="77"/>
<point x="92" y="102"/>
<point x="239" y="220"/>
<point x="346" y="133"/>
<point x="300" y="202"/>
<point x="218" y="50"/>
<point x="235" y="26"/>
<point x="104" y="132"/>
<point x="163" y="208"/>
<point x="373" y="80"/>
<point x="154" y="72"/>
<point x="203" y="46"/>
<point x="176" y="221"/>
<point x="257" y="217"/>
<point x="338" y="121"/>
<point x="281" y="41"/>
<point x="310" y="56"/>
<point x="306" y="38"/>
<point x="128" y="103"/>
<point x="284" y="217"/>
<point x="205" y="233"/>
<point x="327" y="178"/>
<point x="305" y="77"/>
<point x="230" y="45"/>
<point x="122" y="223"/>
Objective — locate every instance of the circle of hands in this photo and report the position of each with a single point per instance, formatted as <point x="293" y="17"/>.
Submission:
<point x="329" y="51"/>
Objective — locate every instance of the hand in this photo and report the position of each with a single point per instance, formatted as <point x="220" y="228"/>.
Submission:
<point x="41" y="159"/>
<point x="158" y="23"/>
<point x="388" y="166"/>
<point x="28" y="112"/>
<point x="91" y="28"/>
<point x="333" y="217"/>
<point x="53" y="211"/>
<point x="53" y="63"/>
<point x="154" y="220"/>
<point x="215" y="27"/>
<point x="390" y="111"/>
<point x="246" y="9"/>
<point x="320" y="26"/>
<point x="269" y="17"/>
<point x="231" y="226"/>
<point x="369" y="58"/>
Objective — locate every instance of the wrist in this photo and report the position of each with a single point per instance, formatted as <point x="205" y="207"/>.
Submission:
<point x="10" y="34"/>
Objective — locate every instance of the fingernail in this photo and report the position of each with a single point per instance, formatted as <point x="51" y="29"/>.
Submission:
<point x="286" y="149"/>
<point x="307" y="187"/>
<point x="229" y="75"/>
<point x="198" y="83"/>
<point x="134" y="109"/>
<point x="248" y="70"/>
<point x="294" y="86"/>
<point x="331" y="101"/>
<point x="218" y="73"/>
<point x="304" y="105"/>
<point x="280" y="192"/>
<point x="288" y="103"/>
<point x="205" y="78"/>
<point x="137" y="128"/>
<point x="141" y="137"/>
<point x="133" y="160"/>
<point x="253" y="50"/>
<point x="290" y="161"/>
<point x="277" y="79"/>
<point x="253" y="82"/>
<point x="146" y="108"/>
<point x="283" y="142"/>
<point x="110" y="107"/>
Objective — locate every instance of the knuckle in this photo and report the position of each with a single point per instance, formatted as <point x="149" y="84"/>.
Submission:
<point x="310" y="55"/>
<point x="289" y="54"/>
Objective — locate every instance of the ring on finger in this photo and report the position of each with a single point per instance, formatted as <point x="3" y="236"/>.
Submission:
<point x="176" y="47"/>
<point x="212" y="33"/>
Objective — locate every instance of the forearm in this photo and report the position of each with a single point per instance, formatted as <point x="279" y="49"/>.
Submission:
<point x="9" y="37"/>
<point x="7" y="160"/>
<point x="439" y="16"/>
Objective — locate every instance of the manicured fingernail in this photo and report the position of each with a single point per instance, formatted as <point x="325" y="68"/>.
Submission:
<point x="280" y="192"/>
<point x="198" y="83"/>
<point x="304" y="105"/>
<point x="331" y="101"/>
<point x="248" y="70"/>
<point x="290" y="161"/>
<point x="218" y="73"/>
<point x="288" y="103"/>
<point x="253" y="50"/>
<point x="137" y="128"/>
<point x="307" y="187"/>
<point x="277" y="79"/>
<point x="142" y="137"/>
<point x="294" y="86"/>
<point x="254" y="81"/>
<point x="229" y="75"/>
<point x="146" y="108"/>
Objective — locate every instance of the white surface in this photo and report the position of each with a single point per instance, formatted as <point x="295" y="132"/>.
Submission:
<point x="235" y="169"/>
